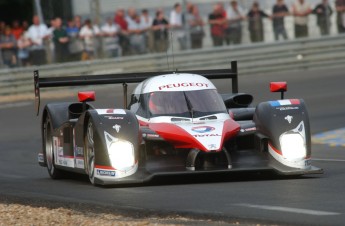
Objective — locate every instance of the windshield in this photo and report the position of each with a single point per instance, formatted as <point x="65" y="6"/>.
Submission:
<point x="186" y="104"/>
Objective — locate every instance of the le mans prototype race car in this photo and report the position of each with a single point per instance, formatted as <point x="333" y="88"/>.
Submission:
<point x="175" y="123"/>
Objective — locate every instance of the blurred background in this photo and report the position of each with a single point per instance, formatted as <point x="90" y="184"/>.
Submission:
<point x="73" y="37"/>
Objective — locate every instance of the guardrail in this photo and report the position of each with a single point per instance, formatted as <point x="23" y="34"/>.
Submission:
<point x="295" y="55"/>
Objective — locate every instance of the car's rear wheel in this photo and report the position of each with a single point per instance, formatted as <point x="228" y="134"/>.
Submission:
<point x="90" y="152"/>
<point x="49" y="150"/>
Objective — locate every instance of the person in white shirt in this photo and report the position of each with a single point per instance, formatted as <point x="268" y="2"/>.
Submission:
<point x="234" y="16"/>
<point x="146" y="23"/>
<point x="37" y="33"/>
<point x="110" y="33"/>
<point x="301" y="11"/>
<point x="137" y="36"/>
<point x="88" y="33"/>
<point x="130" y="18"/>
<point x="177" y="21"/>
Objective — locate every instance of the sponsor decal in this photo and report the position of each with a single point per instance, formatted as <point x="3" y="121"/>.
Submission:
<point x="287" y="108"/>
<point x="40" y="157"/>
<point x="203" y="129"/>
<point x="111" y="111"/>
<point x="248" y="129"/>
<point x="288" y="118"/>
<point x="78" y="151"/>
<point x="109" y="173"/>
<point x="114" y="117"/>
<point x="212" y="146"/>
<point x="207" y="135"/>
<point x="69" y="162"/>
<point x="117" y="127"/>
<point x="284" y="102"/>
<point x="184" y="84"/>
<point x="152" y="135"/>
<point x="60" y="152"/>
<point x="79" y="163"/>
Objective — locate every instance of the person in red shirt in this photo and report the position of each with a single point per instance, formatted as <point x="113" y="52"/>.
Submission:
<point x="121" y="21"/>
<point x="17" y="30"/>
<point x="217" y="21"/>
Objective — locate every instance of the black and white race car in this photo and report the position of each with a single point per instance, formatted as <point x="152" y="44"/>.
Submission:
<point x="175" y="123"/>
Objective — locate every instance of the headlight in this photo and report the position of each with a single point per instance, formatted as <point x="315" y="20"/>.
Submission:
<point x="293" y="146"/>
<point x="121" y="154"/>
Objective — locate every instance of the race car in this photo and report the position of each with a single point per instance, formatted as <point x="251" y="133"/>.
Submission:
<point x="176" y="123"/>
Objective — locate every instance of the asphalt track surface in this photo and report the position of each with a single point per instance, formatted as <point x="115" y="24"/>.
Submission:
<point x="308" y="200"/>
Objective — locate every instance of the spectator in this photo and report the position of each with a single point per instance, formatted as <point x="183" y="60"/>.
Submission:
<point x="49" y="44"/>
<point x="110" y="33"/>
<point x="160" y="27"/>
<point x="256" y="27"/>
<point x="75" y="44"/>
<point x="301" y="11"/>
<point x="23" y="45"/>
<point x="217" y="20"/>
<point x="17" y="30"/>
<point x="234" y="15"/>
<point x="131" y="16"/>
<point x="78" y="22"/>
<point x="60" y="39"/>
<point x="177" y="21"/>
<point x="340" y="8"/>
<point x="123" y="36"/>
<point x="279" y="11"/>
<point x="88" y="34"/>
<point x="8" y="48"/>
<point x="146" y="23"/>
<point x="196" y="25"/>
<point x="323" y="12"/>
<point x="2" y="27"/>
<point x="137" y="36"/>
<point x="189" y="7"/>
<point x="25" y="25"/>
<point x="37" y="33"/>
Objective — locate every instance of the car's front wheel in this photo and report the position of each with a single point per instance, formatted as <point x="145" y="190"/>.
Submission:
<point x="90" y="152"/>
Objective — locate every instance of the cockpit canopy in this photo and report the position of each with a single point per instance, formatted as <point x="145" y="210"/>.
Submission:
<point x="189" y="104"/>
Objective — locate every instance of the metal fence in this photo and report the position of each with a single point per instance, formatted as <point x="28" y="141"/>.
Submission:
<point x="253" y="59"/>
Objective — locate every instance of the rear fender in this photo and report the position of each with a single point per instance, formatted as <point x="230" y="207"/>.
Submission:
<point x="57" y="112"/>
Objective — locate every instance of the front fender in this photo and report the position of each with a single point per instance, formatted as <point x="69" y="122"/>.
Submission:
<point x="120" y="124"/>
<point x="275" y="118"/>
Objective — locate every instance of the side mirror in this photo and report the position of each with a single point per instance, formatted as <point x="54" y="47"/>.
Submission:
<point x="237" y="100"/>
<point x="86" y="96"/>
<point x="279" y="87"/>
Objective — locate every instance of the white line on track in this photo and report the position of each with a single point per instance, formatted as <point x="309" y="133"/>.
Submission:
<point x="12" y="105"/>
<point x="290" y="210"/>
<point x="329" y="160"/>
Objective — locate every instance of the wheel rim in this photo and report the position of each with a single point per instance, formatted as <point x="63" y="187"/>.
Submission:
<point x="90" y="152"/>
<point x="49" y="147"/>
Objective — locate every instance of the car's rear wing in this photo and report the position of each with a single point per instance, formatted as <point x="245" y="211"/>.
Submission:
<point x="125" y="78"/>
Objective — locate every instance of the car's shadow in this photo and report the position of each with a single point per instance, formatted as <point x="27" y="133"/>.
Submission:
<point x="234" y="177"/>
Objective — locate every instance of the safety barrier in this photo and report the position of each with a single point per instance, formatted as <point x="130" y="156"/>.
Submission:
<point x="295" y="55"/>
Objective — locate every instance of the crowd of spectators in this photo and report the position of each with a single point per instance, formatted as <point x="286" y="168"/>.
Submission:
<point x="131" y="32"/>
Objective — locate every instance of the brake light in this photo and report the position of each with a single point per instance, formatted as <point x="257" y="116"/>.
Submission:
<point x="278" y="86"/>
<point x="86" y="96"/>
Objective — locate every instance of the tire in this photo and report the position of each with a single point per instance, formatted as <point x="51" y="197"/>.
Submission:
<point x="90" y="152"/>
<point x="54" y="173"/>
